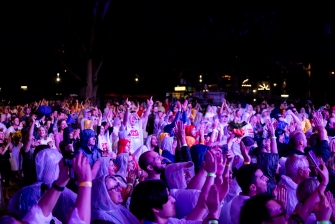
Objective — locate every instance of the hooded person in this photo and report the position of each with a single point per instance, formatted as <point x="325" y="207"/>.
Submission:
<point x="124" y="162"/>
<point x="88" y="146"/>
<point x="168" y="146"/>
<point x="178" y="175"/>
<point x="198" y="153"/>
<point x="106" y="203"/>
<point x="47" y="171"/>
<point x="107" y="167"/>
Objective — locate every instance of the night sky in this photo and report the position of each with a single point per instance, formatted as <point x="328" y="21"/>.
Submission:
<point x="157" y="40"/>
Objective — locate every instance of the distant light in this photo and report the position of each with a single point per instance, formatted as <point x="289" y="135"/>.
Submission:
<point x="65" y="70"/>
<point x="200" y="76"/>
<point x="24" y="87"/>
<point x="254" y="100"/>
<point x="284" y="95"/>
<point x="254" y="90"/>
<point x="332" y="73"/>
<point x="58" y="79"/>
<point x="57" y="74"/>
<point x="180" y="88"/>
<point x="246" y="85"/>
<point x="136" y="79"/>
<point x="200" y="80"/>
<point x="274" y="84"/>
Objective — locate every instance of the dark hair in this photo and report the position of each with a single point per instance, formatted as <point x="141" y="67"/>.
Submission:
<point x="59" y="122"/>
<point x="245" y="176"/>
<point x="143" y="161"/>
<point x="146" y="196"/>
<point x="254" y="209"/>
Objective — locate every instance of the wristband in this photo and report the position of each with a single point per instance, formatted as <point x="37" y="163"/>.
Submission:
<point x="246" y="163"/>
<point x="56" y="187"/>
<point x="185" y="145"/>
<point x="322" y="222"/>
<point x="211" y="175"/>
<point x="274" y="137"/>
<point x="130" y="184"/>
<point x="228" y="164"/>
<point x="213" y="221"/>
<point x="85" y="184"/>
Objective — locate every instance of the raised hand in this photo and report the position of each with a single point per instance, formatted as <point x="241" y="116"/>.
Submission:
<point x="210" y="162"/>
<point x="280" y="194"/>
<point x="150" y="102"/>
<point x="322" y="209"/>
<point x="213" y="203"/>
<point x="82" y="168"/>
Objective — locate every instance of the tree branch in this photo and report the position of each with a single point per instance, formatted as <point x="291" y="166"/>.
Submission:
<point x="69" y="70"/>
<point x="76" y="33"/>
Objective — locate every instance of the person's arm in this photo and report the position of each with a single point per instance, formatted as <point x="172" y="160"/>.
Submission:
<point x="245" y="153"/>
<point x="147" y="112"/>
<point x="126" y="114"/>
<point x="296" y="120"/>
<point x="273" y="143"/>
<point x="29" y="140"/>
<point x="211" y="167"/>
<point x="83" y="171"/>
<point x="213" y="204"/>
<point x="308" y="206"/>
<point x="197" y="182"/>
<point x="50" y="198"/>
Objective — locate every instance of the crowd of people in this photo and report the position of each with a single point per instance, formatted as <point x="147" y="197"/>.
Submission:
<point x="168" y="161"/>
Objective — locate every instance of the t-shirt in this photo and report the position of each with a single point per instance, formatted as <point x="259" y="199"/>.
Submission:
<point x="35" y="215"/>
<point x="136" y="135"/>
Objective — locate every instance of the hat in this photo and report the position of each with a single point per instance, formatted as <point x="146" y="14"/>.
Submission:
<point x="43" y="111"/>
<point x="248" y="141"/>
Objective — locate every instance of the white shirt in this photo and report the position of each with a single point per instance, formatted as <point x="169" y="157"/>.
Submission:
<point x="235" y="208"/>
<point x="291" y="188"/>
<point x="35" y="216"/>
<point x="136" y="135"/>
<point x="182" y="221"/>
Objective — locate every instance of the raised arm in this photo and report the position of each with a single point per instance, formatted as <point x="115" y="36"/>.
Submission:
<point x="29" y="139"/>
<point x="126" y="114"/>
<point x="147" y="112"/>
<point x="271" y="130"/>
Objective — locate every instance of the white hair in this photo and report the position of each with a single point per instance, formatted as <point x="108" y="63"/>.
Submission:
<point x="293" y="164"/>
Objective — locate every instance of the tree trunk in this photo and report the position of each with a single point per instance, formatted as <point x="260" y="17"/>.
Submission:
<point x="90" y="90"/>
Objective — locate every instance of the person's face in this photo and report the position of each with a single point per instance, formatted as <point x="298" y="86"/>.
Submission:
<point x="238" y="113"/>
<point x="168" y="209"/>
<point x="304" y="171"/>
<point x="88" y="114"/>
<point x="63" y="125"/>
<point x="114" y="190"/>
<point x="28" y="111"/>
<point x="277" y="213"/>
<point x="223" y="118"/>
<point x="261" y="182"/>
<point x="41" y="132"/>
<point x="16" y="121"/>
<point x="102" y="129"/>
<point x="132" y="119"/>
<point x="91" y="141"/>
<point x="160" y="114"/>
<point x="194" y="132"/>
<point x="94" y="113"/>
<point x="156" y="163"/>
<point x="111" y="168"/>
<point x="127" y="148"/>
<point x="154" y="141"/>
<point x="155" y="109"/>
<point x="71" y="134"/>
<point x="131" y="163"/>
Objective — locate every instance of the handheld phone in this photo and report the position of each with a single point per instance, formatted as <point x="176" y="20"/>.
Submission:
<point x="313" y="158"/>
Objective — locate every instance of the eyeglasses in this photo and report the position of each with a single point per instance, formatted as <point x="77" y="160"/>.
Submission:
<point x="117" y="188"/>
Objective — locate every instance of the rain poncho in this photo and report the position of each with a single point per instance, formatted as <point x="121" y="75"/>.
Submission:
<point x="104" y="163"/>
<point x="91" y="154"/>
<point x="167" y="148"/>
<point x="143" y="148"/>
<point x="175" y="176"/>
<point x="103" y="208"/>
<point x="47" y="171"/>
<point x="122" y="164"/>
<point x="198" y="153"/>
